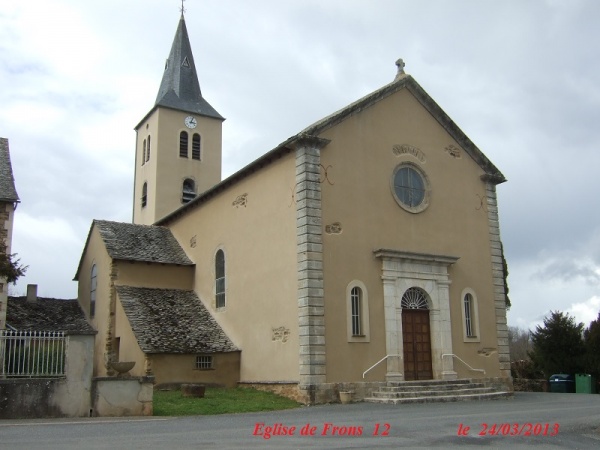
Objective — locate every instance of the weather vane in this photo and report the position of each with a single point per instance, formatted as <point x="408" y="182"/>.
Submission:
<point x="182" y="9"/>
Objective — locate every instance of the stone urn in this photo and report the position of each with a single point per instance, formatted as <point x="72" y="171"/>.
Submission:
<point x="122" y="367"/>
<point x="346" y="397"/>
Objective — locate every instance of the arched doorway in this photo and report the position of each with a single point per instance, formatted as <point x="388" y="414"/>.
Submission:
<point x="416" y="335"/>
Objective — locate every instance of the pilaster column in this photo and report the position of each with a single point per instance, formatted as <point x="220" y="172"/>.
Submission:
<point x="498" y="279"/>
<point x="394" y="345"/>
<point x="309" y="240"/>
<point x="445" y="330"/>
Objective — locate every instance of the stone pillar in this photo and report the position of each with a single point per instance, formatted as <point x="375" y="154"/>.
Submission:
<point x="498" y="279"/>
<point x="394" y="345"/>
<point x="309" y="239"/>
<point x="445" y="330"/>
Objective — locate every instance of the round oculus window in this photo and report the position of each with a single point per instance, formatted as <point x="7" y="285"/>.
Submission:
<point x="410" y="188"/>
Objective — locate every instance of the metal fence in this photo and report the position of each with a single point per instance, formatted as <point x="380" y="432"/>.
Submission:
<point x="29" y="354"/>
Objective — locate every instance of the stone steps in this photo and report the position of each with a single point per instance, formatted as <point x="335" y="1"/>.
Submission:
<point x="435" y="391"/>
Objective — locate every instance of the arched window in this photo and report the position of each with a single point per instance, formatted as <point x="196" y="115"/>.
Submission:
<point x="148" y="150"/>
<point x="220" y="279"/>
<point x="144" y="154"/>
<point x="183" y="144"/>
<point x="144" y="195"/>
<point x="414" y="298"/>
<point x="188" y="191"/>
<point x="356" y="310"/>
<point x="196" y="146"/>
<point x="93" y="286"/>
<point x="470" y="316"/>
<point x="468" y="303"/>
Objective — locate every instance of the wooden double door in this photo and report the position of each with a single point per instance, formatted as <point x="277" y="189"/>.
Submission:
<point x="416" y="336"/>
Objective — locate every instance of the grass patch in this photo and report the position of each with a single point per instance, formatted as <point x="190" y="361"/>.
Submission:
<point x="219" y="401"/>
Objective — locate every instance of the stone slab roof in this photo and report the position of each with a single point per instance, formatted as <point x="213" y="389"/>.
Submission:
<point x="172" y="321"/>
<point x="47" y="314"/>
<point x="8" y="192"/>
<point x="145" y="243"/>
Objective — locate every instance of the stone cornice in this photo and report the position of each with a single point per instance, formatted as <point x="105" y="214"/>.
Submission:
<point x="391" y="254"/>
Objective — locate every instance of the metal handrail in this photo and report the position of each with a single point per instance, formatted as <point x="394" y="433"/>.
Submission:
<point x="378" y="362"/>
<point x="455" y="356"/>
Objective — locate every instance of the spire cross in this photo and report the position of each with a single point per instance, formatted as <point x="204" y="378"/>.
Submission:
<point x="182" y="9"/>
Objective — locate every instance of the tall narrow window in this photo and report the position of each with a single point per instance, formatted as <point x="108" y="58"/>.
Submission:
<point x="188" y="191"/>
<point x="470" y="315"/>
<point x="357" y="312"/>
<point x="220" y="279"/>
<point x="144" y="194"/>
<point x="148" y="150"/>
<point x="469" y="324"/>
<point x="144" y="154"/>
<point x="356" y="305"/>
<point x="196" y="146"/>
<point x="93" y="285"/>
<point x="183" y="144"/>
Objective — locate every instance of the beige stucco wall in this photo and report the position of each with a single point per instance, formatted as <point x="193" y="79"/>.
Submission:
<point x="126" y="345"/>
<point x="360" y="165"/>
<point x="95" y="253"/>
<point x="152" y="275"/>
<point x="166" y="168"/>
<point x="181" y="369"/>
<point x="258" y="238"/>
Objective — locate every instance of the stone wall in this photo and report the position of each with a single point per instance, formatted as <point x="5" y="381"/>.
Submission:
<point x="116" y="397"/>
<point x="321" y="393"/>
<point x="53" y="397"/>
<point x="5" y="227"/>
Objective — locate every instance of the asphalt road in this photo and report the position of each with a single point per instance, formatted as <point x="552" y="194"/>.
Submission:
<point x="570" y="421"/>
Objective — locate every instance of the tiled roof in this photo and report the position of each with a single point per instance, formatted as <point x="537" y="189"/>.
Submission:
<point x="47" y="314"/>
<point x="146" y="243"/>
<point x="7" y="181"/>
<point x="172" y="321"/>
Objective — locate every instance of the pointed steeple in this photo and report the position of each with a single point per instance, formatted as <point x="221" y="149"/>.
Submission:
<point x="179" y="88"/>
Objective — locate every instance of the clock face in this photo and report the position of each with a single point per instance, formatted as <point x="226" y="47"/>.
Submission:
<point x="190" y="122"/>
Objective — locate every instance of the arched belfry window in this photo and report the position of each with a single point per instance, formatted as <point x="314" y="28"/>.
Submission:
<point x="144" y="153"/>
<point x="144" y="195"/>
<point x="196" y="146"/>
<point x="414" y="298"/>
<point x="220" y="279"/>
<point x="183" y="144"/>
<point x="93" y="286"/>
<point x="148" y="150"/>
<point x="188" y="191"/>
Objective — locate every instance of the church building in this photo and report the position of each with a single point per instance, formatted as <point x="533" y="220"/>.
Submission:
<point x="365" y="249"/>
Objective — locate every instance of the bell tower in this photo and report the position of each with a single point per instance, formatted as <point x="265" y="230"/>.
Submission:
<point x="178" y="142"/>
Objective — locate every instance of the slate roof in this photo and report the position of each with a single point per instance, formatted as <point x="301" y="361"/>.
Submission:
<point x="8" y="192"/>
<point x="172" y="321"/>
<point x="147" y="243"/>
<point x="179" y="88"/>
<point x="47" y="314"/>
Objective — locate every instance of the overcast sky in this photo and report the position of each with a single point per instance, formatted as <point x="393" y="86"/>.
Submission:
<point x="520" y="78"/>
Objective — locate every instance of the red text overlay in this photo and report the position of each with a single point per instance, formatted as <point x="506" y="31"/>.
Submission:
<point x="327" y="429"/>
<point x="510" y="429"/>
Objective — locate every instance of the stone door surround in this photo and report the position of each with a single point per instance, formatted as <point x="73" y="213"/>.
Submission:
<point x="400" y="271"/>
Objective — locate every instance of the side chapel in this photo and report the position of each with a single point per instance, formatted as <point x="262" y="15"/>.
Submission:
<point x="369" y="240"/>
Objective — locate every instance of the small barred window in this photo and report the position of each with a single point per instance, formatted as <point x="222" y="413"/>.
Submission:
<point x="204" y="362"/>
